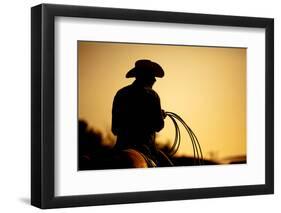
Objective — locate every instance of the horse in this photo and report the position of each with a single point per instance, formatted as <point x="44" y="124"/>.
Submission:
<point x="123" y="159"/>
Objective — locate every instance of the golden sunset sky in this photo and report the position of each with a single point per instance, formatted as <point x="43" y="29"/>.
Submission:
<point x="206" y="86"/>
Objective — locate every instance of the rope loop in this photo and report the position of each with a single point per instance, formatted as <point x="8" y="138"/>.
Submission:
<point x="197" y="151"/>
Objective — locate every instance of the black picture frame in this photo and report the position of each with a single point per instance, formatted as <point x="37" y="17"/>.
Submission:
<point x="43" y="105"/>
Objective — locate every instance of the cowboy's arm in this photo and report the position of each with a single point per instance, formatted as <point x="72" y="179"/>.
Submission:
<point x="158" y="114"/>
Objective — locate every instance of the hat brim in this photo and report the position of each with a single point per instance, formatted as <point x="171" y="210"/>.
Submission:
<point x="157" y="71"/>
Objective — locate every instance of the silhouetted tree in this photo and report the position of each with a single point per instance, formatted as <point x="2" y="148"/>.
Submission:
<point x="89" y="145"/>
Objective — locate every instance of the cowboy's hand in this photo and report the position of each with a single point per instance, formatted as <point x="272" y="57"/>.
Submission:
<point x="164" y="115"/>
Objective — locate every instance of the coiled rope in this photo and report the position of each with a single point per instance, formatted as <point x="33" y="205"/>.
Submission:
<point x="197" y="151"/>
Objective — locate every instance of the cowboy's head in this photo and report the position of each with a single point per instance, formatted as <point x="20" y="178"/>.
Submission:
<point x="145" y="72"/>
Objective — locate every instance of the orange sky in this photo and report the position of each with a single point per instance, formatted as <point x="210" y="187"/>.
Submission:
<point x="206" y="86"/>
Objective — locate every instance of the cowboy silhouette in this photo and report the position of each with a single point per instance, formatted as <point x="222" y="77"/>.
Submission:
<point x="136" y="111"/>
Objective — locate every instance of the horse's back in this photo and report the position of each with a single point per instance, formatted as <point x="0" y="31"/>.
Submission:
<point x="130" y="158"/>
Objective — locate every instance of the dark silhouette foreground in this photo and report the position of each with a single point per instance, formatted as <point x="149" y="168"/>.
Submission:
<point x="95" y="155"/>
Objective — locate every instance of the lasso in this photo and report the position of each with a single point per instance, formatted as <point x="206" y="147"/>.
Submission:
<point x="197" y="151"/>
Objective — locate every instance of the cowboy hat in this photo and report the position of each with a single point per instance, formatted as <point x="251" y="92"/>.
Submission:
<point x="145" y="66"/>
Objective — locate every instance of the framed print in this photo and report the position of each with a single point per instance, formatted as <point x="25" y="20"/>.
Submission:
<point x="140" y="106"/>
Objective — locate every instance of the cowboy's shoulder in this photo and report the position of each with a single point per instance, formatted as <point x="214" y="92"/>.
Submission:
<point x="124" y="91"/>
<point x="151" y="93"/>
